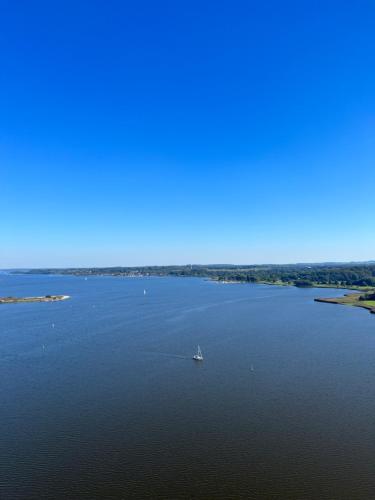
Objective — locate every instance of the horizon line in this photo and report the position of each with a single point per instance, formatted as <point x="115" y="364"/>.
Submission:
<point x="192" y="265"/>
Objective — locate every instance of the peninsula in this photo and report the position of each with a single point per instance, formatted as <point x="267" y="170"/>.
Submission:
<point x="46" y="298"/>
<point x="367" y="301"/>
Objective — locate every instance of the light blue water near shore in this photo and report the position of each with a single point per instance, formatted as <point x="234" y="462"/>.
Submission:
<point x="108" y="402"/>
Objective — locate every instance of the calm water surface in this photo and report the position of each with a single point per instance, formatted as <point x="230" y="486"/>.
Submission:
<point x="109" y="404"/>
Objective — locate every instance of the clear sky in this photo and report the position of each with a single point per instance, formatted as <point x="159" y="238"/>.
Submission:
<point x="163" y="132"/>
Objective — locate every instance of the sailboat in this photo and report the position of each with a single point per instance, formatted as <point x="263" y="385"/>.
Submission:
<point x="144" y="292"/>
<point x="198" y="356"/>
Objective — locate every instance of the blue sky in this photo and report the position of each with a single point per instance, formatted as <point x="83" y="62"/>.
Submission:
<point x="175" y="132"/>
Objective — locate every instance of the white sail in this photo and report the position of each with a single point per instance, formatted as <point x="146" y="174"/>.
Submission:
<point x="199" y="355"/>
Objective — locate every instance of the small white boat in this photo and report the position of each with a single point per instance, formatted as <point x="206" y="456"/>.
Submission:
<point x="198" y="356"/>
<point x="144" y="292"/>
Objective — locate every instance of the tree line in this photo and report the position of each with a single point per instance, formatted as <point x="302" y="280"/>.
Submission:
<point x="297" y="274"/>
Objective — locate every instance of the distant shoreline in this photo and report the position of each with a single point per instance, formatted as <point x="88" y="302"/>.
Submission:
<point x="360" y="279"/>
<point x="46" y="298"/>
<point x="358" y="276"/>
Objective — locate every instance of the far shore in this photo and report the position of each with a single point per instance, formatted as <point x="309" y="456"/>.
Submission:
<point x="349" y="299"/>
<point x="358" y="288"/>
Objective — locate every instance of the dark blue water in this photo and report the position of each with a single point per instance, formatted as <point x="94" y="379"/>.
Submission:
<point x="109" y="403"/>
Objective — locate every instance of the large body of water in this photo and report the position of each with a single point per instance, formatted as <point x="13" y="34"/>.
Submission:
<point x="108" y="403"/>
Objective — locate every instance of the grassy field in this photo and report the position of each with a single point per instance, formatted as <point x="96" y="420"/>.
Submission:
<point x="351" y="299"/>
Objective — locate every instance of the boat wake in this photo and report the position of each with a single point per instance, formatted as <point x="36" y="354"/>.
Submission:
<point x="167" y="354"/>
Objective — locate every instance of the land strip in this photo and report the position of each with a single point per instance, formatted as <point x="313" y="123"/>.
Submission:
<point x="46" y="298"/>
<point x="351" y="299"/>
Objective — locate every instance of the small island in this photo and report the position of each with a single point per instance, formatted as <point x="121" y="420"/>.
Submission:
<point x="46" y="298"/>
<point x="367" y="300"/>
